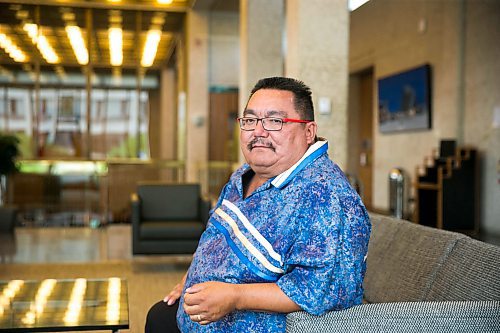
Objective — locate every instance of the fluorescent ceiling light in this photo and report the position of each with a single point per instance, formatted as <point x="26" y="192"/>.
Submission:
<point x="355" y="4"/>
<point x="165" y="2"/>
<point x="11" y="49"/>
<point x="115" y="46"/>
<point x="41" y="43"/>
<point x="76" y="41"/>
<point x="150" y="48"/>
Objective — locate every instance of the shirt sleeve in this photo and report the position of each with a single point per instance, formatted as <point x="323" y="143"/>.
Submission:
<point x="326" y="264"/>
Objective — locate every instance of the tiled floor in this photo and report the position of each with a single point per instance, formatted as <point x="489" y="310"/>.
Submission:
<point x="66" y="244"/>
<point x="74" y="245"/>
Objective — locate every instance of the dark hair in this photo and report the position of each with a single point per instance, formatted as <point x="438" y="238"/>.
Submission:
<point x="302" y="93"/>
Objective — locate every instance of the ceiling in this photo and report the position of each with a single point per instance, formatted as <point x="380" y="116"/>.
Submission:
<point x="136" y="19"/>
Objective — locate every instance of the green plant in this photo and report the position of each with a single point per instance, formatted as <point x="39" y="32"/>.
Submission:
<point x="9" y="151"/>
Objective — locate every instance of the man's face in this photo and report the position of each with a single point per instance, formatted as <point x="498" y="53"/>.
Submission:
<point x="270" y="153"/>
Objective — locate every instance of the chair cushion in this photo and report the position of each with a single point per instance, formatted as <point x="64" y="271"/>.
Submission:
<point x="471" y="272"/>
<point x="169" y="201"/>
<point x="176" y="230"/>
<point x="403" y="259"/>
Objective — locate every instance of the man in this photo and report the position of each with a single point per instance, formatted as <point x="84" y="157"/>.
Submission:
<point x="288" y="232"/>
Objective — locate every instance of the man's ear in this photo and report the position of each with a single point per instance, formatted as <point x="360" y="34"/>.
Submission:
<point x="311" y="129"/>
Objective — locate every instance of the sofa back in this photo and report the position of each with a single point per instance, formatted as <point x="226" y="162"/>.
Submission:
<point x="160" y="201"/>
<point x="410" y="262"/>
<point x="471" y="271"/>
<point x="403" y="259"/>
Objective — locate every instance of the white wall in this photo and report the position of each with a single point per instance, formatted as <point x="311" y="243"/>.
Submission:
<point x="482" y="96"/>
<point x="393" y="36"/>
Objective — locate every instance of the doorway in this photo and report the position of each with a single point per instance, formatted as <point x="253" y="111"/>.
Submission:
<point x="223" y="114"/>
<point x="223" y="140"/>
<point x="360" y="162"/>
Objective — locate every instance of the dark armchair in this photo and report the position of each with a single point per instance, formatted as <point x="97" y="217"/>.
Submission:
<point x="167" y="218"/>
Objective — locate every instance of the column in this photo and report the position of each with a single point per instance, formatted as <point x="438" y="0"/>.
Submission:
<point x="168" y="117"/>
<point x="197" y="95"/>
<point x="317" y="34"/>
<point x="261" y="43"/>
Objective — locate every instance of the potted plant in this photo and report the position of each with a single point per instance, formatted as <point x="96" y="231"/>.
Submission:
<point x="9" y="151"/>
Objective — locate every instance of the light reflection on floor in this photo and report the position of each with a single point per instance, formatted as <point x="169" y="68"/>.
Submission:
<point x="71" y="245"/>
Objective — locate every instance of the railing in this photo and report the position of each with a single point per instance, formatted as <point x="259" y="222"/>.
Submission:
<point x="81" y="192"/>
<point x="213" y="175"/>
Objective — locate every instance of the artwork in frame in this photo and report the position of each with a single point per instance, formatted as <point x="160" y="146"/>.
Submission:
<point x="404" y="100"/>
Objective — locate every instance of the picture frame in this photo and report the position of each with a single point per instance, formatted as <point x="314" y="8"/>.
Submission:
<point x="404" y="101"/>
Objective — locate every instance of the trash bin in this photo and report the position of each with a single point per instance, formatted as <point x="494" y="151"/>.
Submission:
<point x="397" y="192"/>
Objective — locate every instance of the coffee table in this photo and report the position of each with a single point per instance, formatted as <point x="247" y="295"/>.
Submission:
<point x="57" y="305"/>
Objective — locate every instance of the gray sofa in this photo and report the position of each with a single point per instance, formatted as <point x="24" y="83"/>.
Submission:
<point x="419" y="279"/>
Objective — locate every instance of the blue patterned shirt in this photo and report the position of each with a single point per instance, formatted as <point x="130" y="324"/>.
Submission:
<point x="306" y="230"/>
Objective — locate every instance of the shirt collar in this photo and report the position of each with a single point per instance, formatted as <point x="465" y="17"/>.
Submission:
<point x="314" y="151"/>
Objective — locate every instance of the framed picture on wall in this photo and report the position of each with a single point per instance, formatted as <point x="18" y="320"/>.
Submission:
<point x="404" y="101"/>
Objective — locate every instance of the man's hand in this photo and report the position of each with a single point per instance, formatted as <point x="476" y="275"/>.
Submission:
<point x="209" y="301"/>
<point x="175" y="294"/>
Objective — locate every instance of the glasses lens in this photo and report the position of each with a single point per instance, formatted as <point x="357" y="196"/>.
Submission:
<point x="248" y="123"/>
<point x="269" y="124"/>
<point x="272" y="124"/>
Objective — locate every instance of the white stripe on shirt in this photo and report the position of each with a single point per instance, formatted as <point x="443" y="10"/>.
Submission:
<point x="249" y="246"/>
<point x="264" y="242"/>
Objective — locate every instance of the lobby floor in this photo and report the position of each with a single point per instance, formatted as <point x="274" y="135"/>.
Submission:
<point x="66" y="244"/>
<point x="72" y="252"/>
<point x="74" y="245"/>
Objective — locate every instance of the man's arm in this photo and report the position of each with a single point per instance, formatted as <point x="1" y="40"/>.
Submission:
<point x="263" y="297"/>
<point x="208" y="302"/>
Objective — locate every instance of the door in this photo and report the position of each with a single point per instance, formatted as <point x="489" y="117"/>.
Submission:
<point x="365" y="136"/>
<point x="223" y="114"/>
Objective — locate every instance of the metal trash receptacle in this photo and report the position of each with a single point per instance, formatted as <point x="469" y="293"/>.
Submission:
<point x="397" y="192"/>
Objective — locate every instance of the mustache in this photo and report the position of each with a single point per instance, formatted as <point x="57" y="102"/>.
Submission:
<point x="260" y="142"/>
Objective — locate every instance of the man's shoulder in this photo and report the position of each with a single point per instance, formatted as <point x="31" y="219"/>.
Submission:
<point x="322" y="170"/>
<point x="324" y="176"/>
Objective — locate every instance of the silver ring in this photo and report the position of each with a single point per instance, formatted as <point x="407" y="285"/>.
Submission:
<point x="198" y="317"/>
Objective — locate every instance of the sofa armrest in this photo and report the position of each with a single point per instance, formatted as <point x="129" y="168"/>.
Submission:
<point x="455" y="316"/>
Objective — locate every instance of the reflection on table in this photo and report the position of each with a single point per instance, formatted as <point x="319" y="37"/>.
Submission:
<point x="62" y="305"/>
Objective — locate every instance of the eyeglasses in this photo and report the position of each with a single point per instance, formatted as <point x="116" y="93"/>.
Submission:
<point x="269" y="123"/>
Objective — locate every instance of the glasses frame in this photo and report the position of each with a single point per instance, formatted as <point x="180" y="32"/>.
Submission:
<point x="283" y="120"/>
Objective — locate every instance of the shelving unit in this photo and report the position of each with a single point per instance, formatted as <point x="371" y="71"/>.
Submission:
<point x="446" y="190"/>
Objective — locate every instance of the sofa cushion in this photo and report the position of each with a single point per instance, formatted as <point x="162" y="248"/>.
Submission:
<point x="403" y="259"/>
<point x="436" y="317"/>
<point x="169" y="201"/>
<point x="471" y="272"/>
<point x="171" y="230"/>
